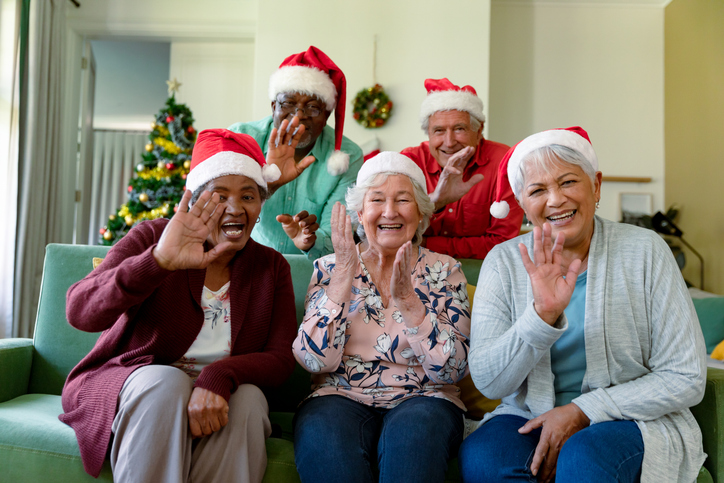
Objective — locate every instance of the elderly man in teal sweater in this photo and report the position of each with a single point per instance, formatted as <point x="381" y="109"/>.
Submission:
<point x="297" y="217"/>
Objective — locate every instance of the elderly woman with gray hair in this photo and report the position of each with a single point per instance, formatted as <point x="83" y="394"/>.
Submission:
<point x="585" y="329"/>
<point x="385" y="335"/>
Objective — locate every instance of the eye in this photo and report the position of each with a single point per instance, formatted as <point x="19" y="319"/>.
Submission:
<point x="222" y="198"/>
<point x="286" y="105"/>
<point x="535" y="192"/>
<point x="568" y="182"/>
<point x="248" y="197"/>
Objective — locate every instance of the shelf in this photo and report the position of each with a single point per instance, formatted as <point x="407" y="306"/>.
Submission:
<point x="627" y="179"/>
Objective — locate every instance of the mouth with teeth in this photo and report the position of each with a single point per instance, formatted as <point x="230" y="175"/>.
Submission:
<point x="390" y="227"/>
<point x="567" y="215"/>
<point x="233" y="230"/>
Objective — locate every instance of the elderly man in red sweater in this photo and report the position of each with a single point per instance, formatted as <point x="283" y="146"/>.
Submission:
<point x="461" y="171"/>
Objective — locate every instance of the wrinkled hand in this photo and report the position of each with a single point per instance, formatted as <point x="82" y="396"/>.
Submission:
<point x="551" y="292"/>
<point x="342" y="239"/>
<point x="282" y="146"/>
<point x="451" y="187"/>
<point x="181" y="245"/>
<point x="300" y="228"/>
<point x="401" y="289"/>
<point x="558" y="425"/>
<point x="208" y="412"/>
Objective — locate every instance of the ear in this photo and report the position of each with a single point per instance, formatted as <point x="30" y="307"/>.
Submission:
<point x="327" y="114"/>
<point x="597" y="185"/>
<point x="480" y="131"/>
<point x="273" y="106"/>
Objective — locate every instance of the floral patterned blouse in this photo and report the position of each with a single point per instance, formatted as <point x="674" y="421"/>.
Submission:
<point x="363" y="350"/>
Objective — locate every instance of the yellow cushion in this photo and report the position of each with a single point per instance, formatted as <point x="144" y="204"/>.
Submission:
<point x="96" y="261"/>
<point x="476" y="403"/>
<point x="718" y="352"/>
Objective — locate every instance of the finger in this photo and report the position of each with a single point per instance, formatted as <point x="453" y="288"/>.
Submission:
<point x="311" y="228"/>
<point x="214" y="424"/>
<point x="557" y="250"/>
<point x="549" y="466"/>
<point x="538" y="255"/>
<point x="540" y="452"/>
<point x="284" y="219"/>
<point x="205" y="426"/>
<point x="185" y="200"/>
<point x="301" y="215"/>
<point x="547" y="242"/>
<point x="527" y="262"/>
<point x="279" y="139"/>
<point x="195" y="428"/>
<point x="530" y="425"/>
<point x="305" y="163"/>
<point x="209" y="208"/>
<point x="572" y="274"/>
<point x="201" y="201"/>
<point x="449" y="169"/>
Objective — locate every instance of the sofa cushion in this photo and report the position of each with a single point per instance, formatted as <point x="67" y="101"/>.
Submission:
<point x="710" y="311"/>
<point x="36" y="446"/>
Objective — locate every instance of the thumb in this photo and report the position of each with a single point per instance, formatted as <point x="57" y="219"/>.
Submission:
<point x="305" y="163"/>
<point x="475" y="179"/>
<point x="284" y="219"/>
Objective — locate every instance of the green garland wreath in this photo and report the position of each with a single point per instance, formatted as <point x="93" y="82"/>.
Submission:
<point x="372" y="107"/>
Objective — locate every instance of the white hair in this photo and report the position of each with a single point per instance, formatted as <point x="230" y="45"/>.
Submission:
<point x="474" y="121"/>
<point x="355" y="202"/>
<point x="548" y="156"/>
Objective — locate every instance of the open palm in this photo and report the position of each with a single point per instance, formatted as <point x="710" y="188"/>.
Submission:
<point x="282" y="147"/>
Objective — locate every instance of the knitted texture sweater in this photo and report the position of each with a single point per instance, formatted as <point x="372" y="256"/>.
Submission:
<point x="149" y="315"/>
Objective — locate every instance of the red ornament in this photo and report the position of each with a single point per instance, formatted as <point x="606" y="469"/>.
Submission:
<point x="169" y="119"/>
<point x="170" y="166"/>
<point x="356" y="115"/>
<point x="191" y="130"/>
<point x="130" y="188"/>
<point x="175" y="208"/>
<point x="102" y="231"/>
<point x="183" y="176"/>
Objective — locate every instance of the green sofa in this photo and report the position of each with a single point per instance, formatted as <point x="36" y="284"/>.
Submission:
<point x="35" y="446"/>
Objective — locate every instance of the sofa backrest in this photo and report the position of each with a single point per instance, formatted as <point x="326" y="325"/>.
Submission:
<point x="59" y="347"/>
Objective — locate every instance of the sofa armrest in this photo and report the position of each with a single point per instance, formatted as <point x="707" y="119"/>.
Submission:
<point x="709" y="413"/>
<point x="16" y="357"/>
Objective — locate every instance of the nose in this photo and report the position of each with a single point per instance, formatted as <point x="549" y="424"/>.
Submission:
<point x="449" y="138"/>
<point x="556" y="197"/>
<point x="234" y="206"/>
<point x="390" y="210"/>
<point x="299" y="112"/>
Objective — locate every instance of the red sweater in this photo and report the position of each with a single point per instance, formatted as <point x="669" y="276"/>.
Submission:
<point x="149" y="315"/>
<point x="466" y="229"/>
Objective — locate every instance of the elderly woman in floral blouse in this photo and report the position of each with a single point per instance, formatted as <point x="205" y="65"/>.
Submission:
<point x="385" y="335"/>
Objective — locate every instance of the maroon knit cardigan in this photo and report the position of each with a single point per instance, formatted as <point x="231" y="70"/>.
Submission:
<point x="149" y="315"/>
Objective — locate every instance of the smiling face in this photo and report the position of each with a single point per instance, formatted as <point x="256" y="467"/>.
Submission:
<point x="564" y="196"/>
<point x="311" y="111"/>
<point x="240" y="199"/>
<point x="449" y="132"/>
<point x="390" y="215"/>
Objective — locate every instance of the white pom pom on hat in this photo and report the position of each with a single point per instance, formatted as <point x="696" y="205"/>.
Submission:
<point x="313" y="73"/>
<point x="220" y="152"/>
<point x="509" y="169"/>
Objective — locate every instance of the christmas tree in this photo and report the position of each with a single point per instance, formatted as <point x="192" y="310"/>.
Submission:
<point x="160" y="178"/>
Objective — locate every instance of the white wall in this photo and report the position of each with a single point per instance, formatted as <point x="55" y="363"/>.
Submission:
<point x="597" y="66"/>
<point x="416" y="39"/>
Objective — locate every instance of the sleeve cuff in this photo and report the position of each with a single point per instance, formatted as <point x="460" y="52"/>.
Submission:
<point x="535" y="332"/>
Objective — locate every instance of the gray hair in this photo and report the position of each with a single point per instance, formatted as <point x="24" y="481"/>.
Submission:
<point x="355" y="201"/>
<point x="548" y="156"/>
<point x="263" y="193"/>
<point x="475" y="123"/>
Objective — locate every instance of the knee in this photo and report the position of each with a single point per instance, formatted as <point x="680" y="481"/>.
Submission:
<point x="475" y="462"/>
<point x="167" y="386"/>
<point x="578" y="451"/>
<point x="248" y="402"/>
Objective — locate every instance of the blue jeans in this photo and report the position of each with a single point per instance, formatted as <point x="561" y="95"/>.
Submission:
<point x="337" y="439"/>
<point x="605" y="452"/>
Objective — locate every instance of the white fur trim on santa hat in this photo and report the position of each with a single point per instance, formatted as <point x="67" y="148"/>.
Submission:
<point x="222" y="164"/>
<point x="391" y="162"/>
<point x="500" y="209"/>
<point x="539" y="140"/>
<point x="306" y="80"/>
<point x="338" y="163"/>
<point x="452" y="100"/>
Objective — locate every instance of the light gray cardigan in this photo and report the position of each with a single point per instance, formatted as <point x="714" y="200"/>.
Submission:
<point x="645" y="354"/>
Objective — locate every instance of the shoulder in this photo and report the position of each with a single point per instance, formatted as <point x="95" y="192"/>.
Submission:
<point x="417" y="152"/>
<point x="431" y="259"/>
<point x="625" y="238"/>
<point x="494" y="150"/>
<point x="266" y="257"/>
<point x="259" y="130"/>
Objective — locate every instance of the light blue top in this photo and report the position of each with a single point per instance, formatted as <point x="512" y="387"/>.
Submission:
<point x="315" y="190"/>
<point x="568" y="353"/>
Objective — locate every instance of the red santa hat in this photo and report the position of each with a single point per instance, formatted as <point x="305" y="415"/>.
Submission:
<point x="391" y="162"/>
<point x="314" y="74"/>
<point x="220" y="152"/>
<point x="443" y="95"/>
<point x="509" y="169"/>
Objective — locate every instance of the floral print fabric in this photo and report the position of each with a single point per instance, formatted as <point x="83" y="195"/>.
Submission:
<point x="361" y="349"/>
<point x="214" y="339"/>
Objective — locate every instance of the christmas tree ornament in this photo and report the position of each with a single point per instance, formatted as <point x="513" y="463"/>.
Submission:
<point x="170" y="166"/>
<point x="143" y="198"/>
<point x="169" y="119"/>
<point x="129" y="220"/>
<point x="173" y="86"/>
<point x="187" y="164"/>
<point x="102" y="230"/>
<point x="149" y="147"/>
<point x="112" y="217"/>
<point x="130" y="188"/>
<point x="164" y="209"/>
<point x="108" y="235"/>
<point x="140" y="167"/>
<point x="160" y="165"/>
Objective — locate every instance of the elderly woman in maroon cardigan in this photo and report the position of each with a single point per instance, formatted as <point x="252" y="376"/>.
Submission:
<point x="195" y="316"/>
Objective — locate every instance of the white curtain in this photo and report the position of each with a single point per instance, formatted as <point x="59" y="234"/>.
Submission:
<point x="115" y="155"/>
<point x="40" y="159"/>
<point x="9" y="108"/>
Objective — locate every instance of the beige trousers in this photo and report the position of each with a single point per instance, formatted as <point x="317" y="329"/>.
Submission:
<point x="152" y="441"/>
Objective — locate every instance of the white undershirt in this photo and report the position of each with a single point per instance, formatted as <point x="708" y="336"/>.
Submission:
<point x="214" y="339"/>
